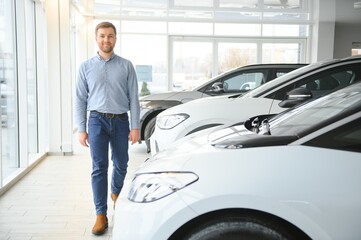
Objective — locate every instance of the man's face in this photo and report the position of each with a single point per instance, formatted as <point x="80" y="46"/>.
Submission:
<point x="106" y="39"/>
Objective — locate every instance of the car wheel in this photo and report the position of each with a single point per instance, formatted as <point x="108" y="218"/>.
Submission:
<point x="148" y="131"/>
<point x="233" y="227"/>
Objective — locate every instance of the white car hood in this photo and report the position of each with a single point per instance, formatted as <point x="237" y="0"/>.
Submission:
<point x="223" y="110"/>
<point x="220" y="137"/>
<point x="183" y="96"/>
<point x="207" y="102"/>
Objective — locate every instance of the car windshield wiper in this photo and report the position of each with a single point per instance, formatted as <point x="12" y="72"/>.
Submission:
<point x="261" y="127"/>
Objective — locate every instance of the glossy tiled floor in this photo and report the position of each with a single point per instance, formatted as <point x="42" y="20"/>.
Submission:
<point x="54" y="201"/>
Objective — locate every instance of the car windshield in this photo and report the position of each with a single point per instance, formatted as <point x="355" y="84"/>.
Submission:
<point x="306" y="116"/>
<point x="282" y="79"/>
<point x="295" y="121"/>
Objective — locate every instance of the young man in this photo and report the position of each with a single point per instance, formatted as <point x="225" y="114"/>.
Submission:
<point x="107" y="89"/>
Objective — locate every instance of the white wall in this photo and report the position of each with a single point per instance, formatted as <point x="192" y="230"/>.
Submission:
<point x="336" y="25"/>
<point x="344" y="36"/>
<point x="348" y="28"/>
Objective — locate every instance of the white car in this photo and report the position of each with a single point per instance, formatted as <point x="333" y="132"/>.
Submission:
<point x="235" y="81"/>
<point x="316" y="79"/>
<point x="300" y="179"/>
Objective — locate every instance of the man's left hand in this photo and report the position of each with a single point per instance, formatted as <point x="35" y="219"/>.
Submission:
<point x="134" y="135"/>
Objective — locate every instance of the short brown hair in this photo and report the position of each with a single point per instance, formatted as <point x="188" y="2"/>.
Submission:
<point x="105" y="25"/>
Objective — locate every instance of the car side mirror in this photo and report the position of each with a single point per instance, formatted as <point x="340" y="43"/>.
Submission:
<point x="295" y="97"/>
<point x="216" y="87"/>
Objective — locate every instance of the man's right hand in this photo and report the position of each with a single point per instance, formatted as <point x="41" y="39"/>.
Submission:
<point x="83" y="139"/>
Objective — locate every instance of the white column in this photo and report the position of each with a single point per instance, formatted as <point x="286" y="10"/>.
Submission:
<point x="59" y="70"/>
<point x="323" y="30"/>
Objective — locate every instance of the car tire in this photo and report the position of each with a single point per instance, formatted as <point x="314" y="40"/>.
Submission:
<point x="235" y="227"/>
<point x="148" y="131"/>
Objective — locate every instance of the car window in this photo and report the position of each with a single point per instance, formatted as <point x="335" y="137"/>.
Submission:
<point x="324" y="82"/>
<point x="263" y="89"/>
<point x="281" y="72"/>
<point x="346" y="137"/>
<point x="244" y="81"/>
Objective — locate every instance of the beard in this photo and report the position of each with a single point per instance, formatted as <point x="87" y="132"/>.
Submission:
<point x="106" y="48"/>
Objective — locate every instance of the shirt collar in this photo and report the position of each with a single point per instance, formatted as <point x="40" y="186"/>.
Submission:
<point x="101" y="59"/>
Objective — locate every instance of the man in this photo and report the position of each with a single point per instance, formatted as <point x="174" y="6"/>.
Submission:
<point x="107" y="89"/>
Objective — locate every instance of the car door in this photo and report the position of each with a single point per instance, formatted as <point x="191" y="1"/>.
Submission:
<point x="319" y="83"/>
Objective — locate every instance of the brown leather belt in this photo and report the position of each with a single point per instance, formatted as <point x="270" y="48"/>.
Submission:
<point x="111" y="115"/>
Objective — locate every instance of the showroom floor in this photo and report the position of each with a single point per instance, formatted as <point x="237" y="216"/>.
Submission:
<point x="54" y="201"/>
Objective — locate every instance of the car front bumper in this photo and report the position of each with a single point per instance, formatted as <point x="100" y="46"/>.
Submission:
<point x="153" y="220"/>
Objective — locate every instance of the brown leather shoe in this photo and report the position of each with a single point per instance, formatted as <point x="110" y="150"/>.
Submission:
<point x="100" y="225"/>
<point x="114" y="198"/>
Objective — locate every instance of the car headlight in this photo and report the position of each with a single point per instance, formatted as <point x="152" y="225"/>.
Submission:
<point x="170" y="121"/>
<point x="150" y="187"/>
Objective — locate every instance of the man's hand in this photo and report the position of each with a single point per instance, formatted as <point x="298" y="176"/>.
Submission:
<point x="134" y="135"/>
<point x="83" y="139"/>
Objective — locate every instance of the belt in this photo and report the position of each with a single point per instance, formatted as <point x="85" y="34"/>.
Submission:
<point x="111" y="115"/>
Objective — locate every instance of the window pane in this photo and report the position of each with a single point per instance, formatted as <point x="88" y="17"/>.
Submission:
<point x="147" y="52"/>
<point x="277" y="4"/>
<point x="184" y="14"/>
<point x="284" y="30"/>
<point x="192" y="3"/>
<point x="234" y="29"/>
<point x="192" y="64"/>
<point x="105" y="7"/>
<point x="238" y="3"/>
<point x="143" y="3"/>
<point x="143" y="27"/>
<point x="281" y="53"/>
<point x="9" y="124"/>
<point x="190" y="28"/>
<point x="231" y="55"/>
<point x="271" y="16"/>
<point x="237" y="16"/>
<point x="143" y="12"/>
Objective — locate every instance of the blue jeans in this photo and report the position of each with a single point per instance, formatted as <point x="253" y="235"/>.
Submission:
<point x="102" y="133"/>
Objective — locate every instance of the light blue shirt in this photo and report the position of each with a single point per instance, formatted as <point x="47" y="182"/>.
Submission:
<point x="106" y="86"/>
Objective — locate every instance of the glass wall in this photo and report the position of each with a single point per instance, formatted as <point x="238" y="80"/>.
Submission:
<point x="192" y="63"/>
<point x="8" y="74"/>
<point x="18" y="75"/>
<point x="147" y="51"/>
<point x="178" y="45"/>
<point x="235" y="54"/>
